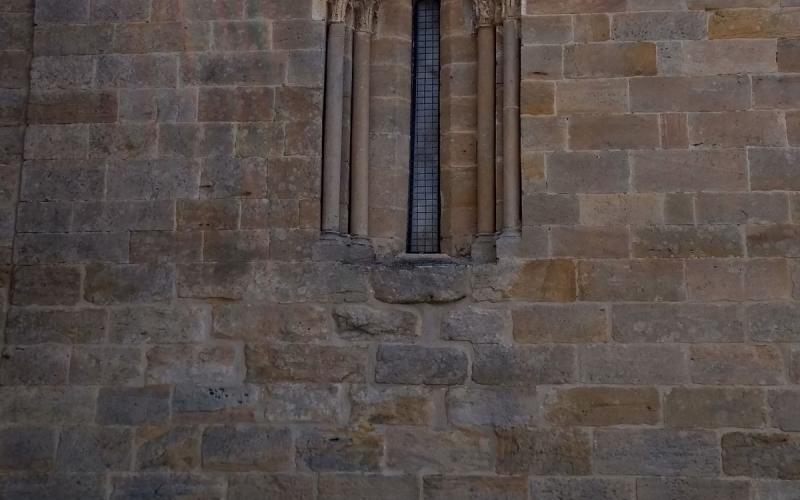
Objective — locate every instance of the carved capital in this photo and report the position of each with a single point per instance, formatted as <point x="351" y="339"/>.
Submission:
<point x="365" y="11"/>
<point x="484" y="12"/>
<point x="510" y="9"/>
<point x="337" y="10"/>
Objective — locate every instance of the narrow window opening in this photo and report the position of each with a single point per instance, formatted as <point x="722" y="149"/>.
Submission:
<point x="424" y="202"/>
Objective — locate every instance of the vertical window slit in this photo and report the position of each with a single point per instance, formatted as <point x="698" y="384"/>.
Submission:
<point x="423" y="227"/>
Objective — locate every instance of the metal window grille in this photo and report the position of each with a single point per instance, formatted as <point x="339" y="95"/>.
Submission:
<point x="423" y="227"/>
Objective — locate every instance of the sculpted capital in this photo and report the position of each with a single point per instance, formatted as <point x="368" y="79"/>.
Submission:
<point x="510" y="9"/>
<point x="365" y="11"/>
<point x="337" y="10"/>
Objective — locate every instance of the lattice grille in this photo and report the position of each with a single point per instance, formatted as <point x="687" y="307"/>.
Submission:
<point x="423" y="225"/>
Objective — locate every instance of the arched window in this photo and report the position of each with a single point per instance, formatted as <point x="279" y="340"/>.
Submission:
<point x="424" y="202"/>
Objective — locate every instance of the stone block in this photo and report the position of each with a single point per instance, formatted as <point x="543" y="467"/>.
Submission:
<point x="239" y="104"/>
<point x="351" y="486"/>
<point x="736" y="364"/>
<point x="543" y="452"/>
<point x="687" y="242"/>
<point x="167" y="448"/>
<point x="638" y="26"/>
<point x="541" y="62"/>
<point x="161" y="325"/>
<point x="36" y="217"/>
<point x="203" y="364"/>
<point x="106" y="365"/>
<point x="244" y="68"/>
<point x="589" y="28"/>
<point x="774" y="322"/>
<point x="609" y="210"/>
<point x="66" y="486"/>
<point x="306" y="363"/>
<point x="755" y="279"/>
<point x="780" y="240"/>
<point x="568" y="323"/>
<point x="241" y="36"/>
<point x="247" y="448"/>
<point x="774" y="169"/>
<point x="27" y="449"/>
<point x="44" y="364"/>
<point x="420" y="283"/>
<point x="390" y="405"/>
<point x="33" y="326"/>
<point x="602" y="406"/>
<point x="167" y="485"/>
<point x="784" y="406"/>
<point x="631" y="280"/>
<point x="47" y="405"/>
<point x="56" y="142"/>
<point x="592" y="96"/>
<point x="692" y="489"/>
<point x="594" y="488"/>
<point x="677" y="323"/>
<point x="57" y="248"/>
<point x="474" y="488"/>
<point x="286" y="486"/>
<point x="543" y="133"/>
<point x="363" y="322"/>
<point x="456" y="452"/>
<point x="737" y="129"/>
<point x="665" y="171"/>
<point x="289" y="322"/>
<point x="62" y="11"/>
<point x="165" y="247"/>
<point x="72" y="39"/>
<point x="587" y="172"/>
<point x="478" y="325"/>
<point x="618" y="59"/>
<point x="537" y="98"/>
<point x="524" y="365"/>
<point x="544" y="209"/>
<point x="132" y="283"/>
<point x="94" y="449"/>
<point x="72" y="107"/>
<point x="770" y="456"/>
<point x="420" y="365"/>
<point x="193" y="403"/>
<point x="133" y="405"/>
<point x="340" y="451"/>
<point x="614" y="132"/>
<point x="574" y="6"/>
<point x="302" y="403"/>
<point x="633" y="364"/>
<point x="656" y="452"/>
<point x="717" y="57"/>
<point x="705" y="93"/>
<point x="714" y="407"/>
<point x="776" y="92"/>
<point x="789" y="55"/>
<point x="190" y="140"/>
<point x="754" y="23"/>
<point x="492" y="407"/>
<point x="546" y="29"/>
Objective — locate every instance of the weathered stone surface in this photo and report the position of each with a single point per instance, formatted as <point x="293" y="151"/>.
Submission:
<point x="477" y="325"/>
<point x="573" y="323"/>
<point x="774" y="322"/>
<point x="94" y="449"/>
<point x="302" y="403"/>
<point x="544" y="280"/>
<point x="133" y="405"/>
<point x="779" y="490"/>
<point x="736" y="364"/>
<point x="420" y="365"/>
<point x="420" y="283"/>
<point x="47" y="405"/>
<point x="543" y="452"/>
<point x="692" y="489"/>
<point x="44" y="364"/>
<point x="27" y="326"/>
<point x="664" y="452"/>
<point x="161" y="325"/>
<point x="46" y="286"/>
<point x="492" y="407"/>
<point x="263" y="322"/>
<point x="167" y="448"/>
<point x="345" y="451"/>
<point x="602" y="406"/>
<point x="305" y="363"/>
<point x="676" y="323"/>
<point x="569" y="488"/>
<point x="197" y="404"/>
<point x="363" y="322"/>
<point x="363" y="486"/>
<point x="457" y="452"/>
<point x="761" y="455"/>
<point x="202" y="364"/>
<point x="109" y="365"/>
<point x="132" y="283"/>
<point x="65" y="486"/>
<point x="784" y="406"/>
<point x="390" y="405"/>
<point x="635" y="280"/>
<point x="286" y="486"/>
<point x="633" y="364"/>
<point x="528" y="365"/>
<point x="474" y="488"/>
<point x="247" y="449"/>
<point x="26" y="449"/>
<point x="712" y="408"/>
<point x="167" y="486"/>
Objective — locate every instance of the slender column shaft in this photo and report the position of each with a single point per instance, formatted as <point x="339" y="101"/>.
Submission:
<point x="359" y="167"/>
<point x="486" y="129"/>
<point x="511" y="132"/>
<point x="332" y="149"/>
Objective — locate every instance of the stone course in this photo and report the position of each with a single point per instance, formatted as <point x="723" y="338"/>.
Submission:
<point x="173" y="328"/>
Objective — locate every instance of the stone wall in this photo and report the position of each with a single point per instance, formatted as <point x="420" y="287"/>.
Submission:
<point x="170" y="336"/>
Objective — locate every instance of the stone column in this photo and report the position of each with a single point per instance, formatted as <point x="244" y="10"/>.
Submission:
<point x="511" y="132"/>
<point x="334" y="94"/>
<point x="359" y="166"/>
<point x="486" y="116"/>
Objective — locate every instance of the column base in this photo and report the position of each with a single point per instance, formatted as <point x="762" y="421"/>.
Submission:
<point x="509" y="244"/>
<point x="335" y="247"/>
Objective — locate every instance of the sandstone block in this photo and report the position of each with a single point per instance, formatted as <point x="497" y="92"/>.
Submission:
<point x="169" y="485"/>
<point x="57" y="248"/>
<point x="32" y="326"/>
<point x="477" y="325"/>
<point x="754" y="23"/>
<point x="47" y="405"/>
<point x="589" y="242"/>
<point x="736" y="364"/>
<point x="46" y="285"/>
<point x="633" y="280"/>
<point x="596" y="489"/>
<point x="302" y="403"/>
<point x="456" y="452"/>
<point x="420" y="365"/>
<point x="602" y="406"/>
<point x="172" y="448"/>
<point x="133" y="405"/>
<point x="106" y="365"/>
<point x="589" y="28"/>
<point x="228" y="280"/>
<point x="362" y="322"/>
<point x="761" y="455"/>
<point x="256" y="323"/>
<point x="665" y="171"/>
<point x="423" y="283"/>
<point x="247" y="449"/>
<point x="784" y="406"/>
<point x="692" y="489"/>
<point x="656" y="451"/>
<point x="83" y="486"/>
<point x="500" y="365"/>
<point x="687" y="242"/>
<point x="617" y="59"/>
<point x="390" y="405"/>
<point x="774" y="169"/>
<point x="774" y="322"/>
<point x="202" y="364"/>
<point x="677" y="323"/>
<point x="746" y="128"/>
<point x="246" y="68"/>
<point x="632" y="364"/>
<point x="26" y="449"/>
<point x="192" y="403"/>
<point x="773" y="241"/>
<point x="474" y="488"/>
<point x="587" y="172"/>
<point x="755" y="279"/>
<point x="609" y="210"/>
<point x="44" y="364"/>
<point x="306" y="363"/>
<point x="569" y="323"/>
<point x="659" y="26"/>
<point x="714" y="408"/>
<point x="94" y="449"/>
<point x="62" y="11"/>
<point x="288" y="486"/>
<point x="614" y="132"/>
<point x="592" y="96"/>
<point x="543" y="452"/>
<point x="133" y="283"/>
<point x="345" y="451"/>
<point x="705" y="93"/>
<point x="492" y="407"/>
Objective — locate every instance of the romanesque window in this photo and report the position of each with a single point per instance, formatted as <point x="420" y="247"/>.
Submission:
<point x="424" y="206"/>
